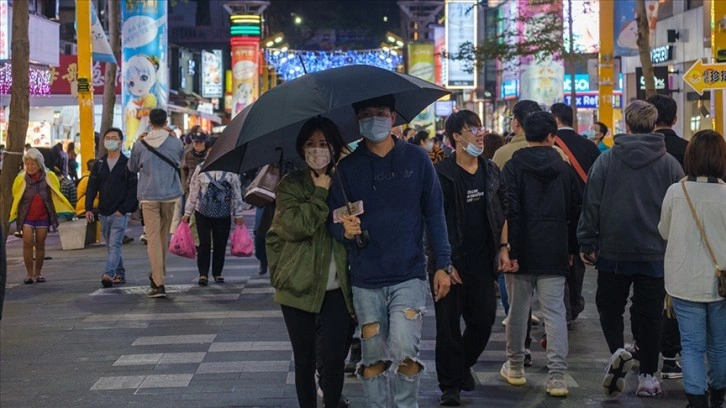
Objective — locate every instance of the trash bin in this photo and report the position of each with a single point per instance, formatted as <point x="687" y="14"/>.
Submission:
<point x="72" y="234"/>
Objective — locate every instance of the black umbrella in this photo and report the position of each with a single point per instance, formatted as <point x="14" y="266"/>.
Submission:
<point x="268" y="128"/>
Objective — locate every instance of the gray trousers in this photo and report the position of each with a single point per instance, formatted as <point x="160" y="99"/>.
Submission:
<point x="550" y="291"/>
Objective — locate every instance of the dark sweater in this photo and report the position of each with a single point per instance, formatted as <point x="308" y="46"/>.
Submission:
<point x="585" y="151"/>
<point x="674" y="144"/>
<point x="116" y="188"/>
<point x="401" y="194"/>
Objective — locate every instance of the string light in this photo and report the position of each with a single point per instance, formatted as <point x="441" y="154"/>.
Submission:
<point x="289" y="64"/>
<point x="39" y="80"/>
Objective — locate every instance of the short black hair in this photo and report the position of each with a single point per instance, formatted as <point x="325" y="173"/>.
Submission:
<point x="157" y="117"/>
<point x="456" y="122"/>
<point x="603" y="128"/>
<point x="419" y="137"/>
<point x="405" y="132"/>
<point x="538" y="126"/>
<point x="381" y="101"/>
<point x="524" y="108"/>
<point x="332" y="135"/>
<point x="667" y="109"/>
<point x="113" y="129"/>
<point x="562" y="112"/>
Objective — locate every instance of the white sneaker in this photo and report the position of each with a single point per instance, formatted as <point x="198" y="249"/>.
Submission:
<point x="505" y="321"/>
<point x="143" y="239"/>
<point x="514" y="376"/>
<point x="535" y="320"/>
<point x="620" y="363"/>
<point x="556" y="386"/>
<point x="648" y="386"/>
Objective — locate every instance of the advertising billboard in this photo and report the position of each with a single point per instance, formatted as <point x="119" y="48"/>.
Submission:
<point x="212" y="74"/>
<point x="421" y="65"/>
<point x="461" y="18"/>
<point x="245" y="76"/>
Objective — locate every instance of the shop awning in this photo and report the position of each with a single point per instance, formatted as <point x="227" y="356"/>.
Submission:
<point x="189" y="111"/>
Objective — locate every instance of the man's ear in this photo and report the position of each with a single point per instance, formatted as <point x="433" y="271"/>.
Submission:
<point x="675" y="120"/>
<point x="393" y="117"/>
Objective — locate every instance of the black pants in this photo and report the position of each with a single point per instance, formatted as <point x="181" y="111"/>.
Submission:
<point x="670" y="334"/>
<point x="612" y="295"/>
<point x="263" y="222"/>
<point x="211" y="230"/>
<point x="574" y="301"/>
<point x="474" y="300"/>
<point x="334" y="331"/>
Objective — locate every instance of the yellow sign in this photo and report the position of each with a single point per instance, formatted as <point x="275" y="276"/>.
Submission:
<point x="706" y="76"/>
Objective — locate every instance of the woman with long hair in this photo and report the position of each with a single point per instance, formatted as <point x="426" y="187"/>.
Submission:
<point x="37" y="205"/>
<point x="693" y="221"/>
<point x="308" y="268"/>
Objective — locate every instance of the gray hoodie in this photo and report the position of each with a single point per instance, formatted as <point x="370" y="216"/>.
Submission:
<point x="623" y="197"/>
<point x="158" y="181"/>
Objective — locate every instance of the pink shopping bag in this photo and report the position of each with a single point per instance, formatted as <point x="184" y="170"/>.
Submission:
<point x="242" y="243"/>
<point x="182" y="242"/>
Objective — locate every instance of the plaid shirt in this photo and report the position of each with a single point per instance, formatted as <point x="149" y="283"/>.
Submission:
<point x="69" y="190"/>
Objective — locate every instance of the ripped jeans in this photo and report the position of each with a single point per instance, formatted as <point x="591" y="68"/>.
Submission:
<point x="391" y="318"/>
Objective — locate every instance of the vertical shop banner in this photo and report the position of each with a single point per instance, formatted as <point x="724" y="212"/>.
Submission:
<point x="145" y="78"/>
<point x="245" y="75"/>
<point x="101" y="48"/>
<point x="541" y="80"/>
<point x="460" y="29"/>
<point x="626" y="27"/>
<point x="439" y="54"/>
<point x="4" y="31"/>
<point x="421" y="65"/>
<point x="212" y="74"/>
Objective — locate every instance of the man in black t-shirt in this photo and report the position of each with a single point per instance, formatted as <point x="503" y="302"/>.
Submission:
<point x="475" y="218"/>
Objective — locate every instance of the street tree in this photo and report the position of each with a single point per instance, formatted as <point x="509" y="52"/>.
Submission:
<point x="19" y="108"/>
<point x="113" y="21"/>
<point x="644" y="48"/>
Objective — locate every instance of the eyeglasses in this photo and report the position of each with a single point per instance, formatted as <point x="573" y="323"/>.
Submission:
<point x="475" y="130"/>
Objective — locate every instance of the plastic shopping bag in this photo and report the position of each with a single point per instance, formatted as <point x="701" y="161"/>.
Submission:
<point x="182" y="242"/>
<point x="242" y="243"/>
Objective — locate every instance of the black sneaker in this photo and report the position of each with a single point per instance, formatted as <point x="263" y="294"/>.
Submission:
<point x="671" y="369"/>
<point x="527" y="358"/>
<point x="157" y="292"/>
<point x="262" y="271"/>
<point x="450" y="398"/>
<point x="127" y="240"/>
<point x="153" y="284"/>
<point x="468" y="384"/>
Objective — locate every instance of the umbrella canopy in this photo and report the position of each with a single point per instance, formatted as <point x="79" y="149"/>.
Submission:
<point x="268" y="128"/>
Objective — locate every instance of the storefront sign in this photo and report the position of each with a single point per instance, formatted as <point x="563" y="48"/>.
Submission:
<point x="661" y="81"/>
<point x="510" y="89"/>
<point x="706" y="76"/>
<point x="64" y="78"/>
<point x="439" y="52"/>
<point x="245" y="77"/>
<point x="460" y="29"/>
<point x="661" y="54"/>
<point x="589" y="100"/>
<point x="212" y="74"/>
<point x="38" y="134"/>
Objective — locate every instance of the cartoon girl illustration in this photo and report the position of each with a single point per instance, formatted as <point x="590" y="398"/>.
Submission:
<point x="140" y="80"/>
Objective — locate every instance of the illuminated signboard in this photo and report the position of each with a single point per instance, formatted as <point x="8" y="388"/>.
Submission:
<point x="460" y="29"/>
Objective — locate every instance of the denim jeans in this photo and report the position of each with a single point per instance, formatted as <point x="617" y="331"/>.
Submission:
<point x="113" y="228"/>
<point x="503" y="293"/>
<point x="703" y="332"/>
<point x="397" y="311"/>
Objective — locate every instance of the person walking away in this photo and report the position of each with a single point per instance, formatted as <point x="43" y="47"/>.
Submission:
<point x="401" y="195"/>
<point x="37" y="205"/>
<point x="542" y="206"/>
<point x="156" y="158"/>
<point x="694" y="245"/>
<point x="581" y="153"/>
<point x="214" y="197"/>
<point x="308" y="268"/>
<point x="115" y="186"/>
<point x="473" y="204"/>
<point x="618" y="233"/>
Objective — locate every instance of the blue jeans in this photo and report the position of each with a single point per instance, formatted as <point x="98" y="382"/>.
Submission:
<point x="702" y="332"/>
<point x="503" y="294"/>
<point x="113" y="228"/>
<point x="397" y="311"/>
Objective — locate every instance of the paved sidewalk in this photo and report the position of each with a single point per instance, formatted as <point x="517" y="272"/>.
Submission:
<point x="69" y="343"/>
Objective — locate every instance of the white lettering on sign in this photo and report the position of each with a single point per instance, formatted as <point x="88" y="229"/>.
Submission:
<point x="661" y="54"/>
<point x="660" y="83"/>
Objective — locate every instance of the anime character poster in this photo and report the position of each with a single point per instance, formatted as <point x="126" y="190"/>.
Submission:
<point x="245" y="76"/>
<point x="626" y="26"/>
<point x="145" y="76"/>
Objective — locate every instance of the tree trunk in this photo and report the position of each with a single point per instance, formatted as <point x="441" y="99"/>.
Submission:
<point x="573" y="91"/>
<point x="644" y="49"/>
<point x="19" y="109"/>
<point x="109" y="85"/>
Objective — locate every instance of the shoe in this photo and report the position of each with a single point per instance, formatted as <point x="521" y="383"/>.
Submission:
<point x="543" y="341"/>
<point x="469" y="383"/>
<point x="450" y="398"/>
<point x="556" y="386"/>
<point x="127" y="240"/>
<point x="203" y="280"/>
<point x="119" y="280"/>
<point x="219" y="279"/>
<point x="648" y="386"/>
<point x="620" y="363"/>
<point x="578" y="308"/>
<point x="40" y="279"/>
<point x="527" y="358"/>
<point x="18" y="234"/>
<point x="152" y="284"/>
<point x="716" y="396"/>
<point x="262" y="271"/>
<point x="28" y="281"/>
<point x="697" y="401"/>
<point x="143" y="239"/>
<point x="535" y="320"/>
<point x="633" y="350"/>
<point x="106" y="281"/>
<point x="514" y="376"/>
<point x="505" y="321"/>
<point x="158" y="292"/>
<point x="671" y="369"/>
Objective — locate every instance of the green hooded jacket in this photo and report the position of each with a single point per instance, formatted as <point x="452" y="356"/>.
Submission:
<point x="299" y="246"/>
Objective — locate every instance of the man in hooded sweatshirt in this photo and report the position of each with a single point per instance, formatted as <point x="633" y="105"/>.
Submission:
<point x="542" y="205"/>
<point x="156" y="156"/>
<point x="618" y="232"/>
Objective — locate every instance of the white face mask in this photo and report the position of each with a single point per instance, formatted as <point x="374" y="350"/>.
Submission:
<point x="111" y="145"/>
<point x="375" y="129"/>
<point x="429" y="146"/>
<point x="317" y="158"/>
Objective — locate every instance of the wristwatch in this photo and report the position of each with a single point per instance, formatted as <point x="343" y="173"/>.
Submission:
<point x="505" y="245"/>
<point x="448" y="269"/>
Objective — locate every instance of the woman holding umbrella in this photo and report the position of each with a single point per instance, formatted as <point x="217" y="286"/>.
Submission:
<point x="308" y="268"/>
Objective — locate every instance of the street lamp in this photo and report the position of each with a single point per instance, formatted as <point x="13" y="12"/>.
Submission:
<point x="273" y="41"/>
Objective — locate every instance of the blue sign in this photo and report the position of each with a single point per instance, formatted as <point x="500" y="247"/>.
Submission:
<point x="510" y="89"/>
<point x="590" y="100"/>
<point x="582" y="83"/>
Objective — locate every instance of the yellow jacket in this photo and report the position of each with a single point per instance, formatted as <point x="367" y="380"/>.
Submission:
<point x="81" y="188"/>
<point x="63" y="208"/>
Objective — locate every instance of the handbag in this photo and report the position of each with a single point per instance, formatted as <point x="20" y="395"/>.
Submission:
<point x="263" y="189"/>
<point x="720" y="273"/>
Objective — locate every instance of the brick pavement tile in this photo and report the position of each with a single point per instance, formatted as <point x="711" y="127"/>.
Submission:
<point x="118" y="383"/>
<point x="221" y="367"/>
<point x="166" y="380"/>
<point x="138" y="359"/>
<point x="266" y="366"/>
<point x="178" y="358"/>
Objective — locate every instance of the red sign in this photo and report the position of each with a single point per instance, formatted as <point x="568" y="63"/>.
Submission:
<point x="65" y="77"/>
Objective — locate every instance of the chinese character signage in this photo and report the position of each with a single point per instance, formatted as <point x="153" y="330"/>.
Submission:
<point x="212" y="74"/>
<point x="145" y="77"/>
<point x="64" y="78"/>
<point x="460" y="29"/>
<point x="245" y="77"/>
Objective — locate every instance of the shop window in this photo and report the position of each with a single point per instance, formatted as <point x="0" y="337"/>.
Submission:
<point x="691" y="4"/>
<point x="695" y="123"/>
